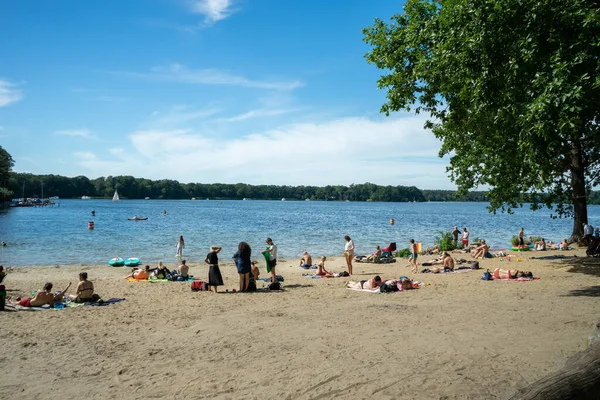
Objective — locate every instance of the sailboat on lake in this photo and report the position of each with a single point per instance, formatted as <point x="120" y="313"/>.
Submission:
<point x="116" y="196"/>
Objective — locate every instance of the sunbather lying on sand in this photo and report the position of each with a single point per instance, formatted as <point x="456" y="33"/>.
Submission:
<point x="371" y="284"/>
<point x="511" y="274"/>
<point x="42" y="297"/>
<point x="139" y="273"/>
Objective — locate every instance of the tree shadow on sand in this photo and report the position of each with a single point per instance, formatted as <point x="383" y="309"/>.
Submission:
<point x="581" y="265"/>
<point x="592" y="291"/>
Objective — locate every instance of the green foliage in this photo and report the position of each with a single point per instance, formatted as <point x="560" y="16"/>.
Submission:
<point x="6" y="164"/>
<point x="403" y="253"/>
<point x="534" y="239"/>
<point x="444" y="241"/>
<point x="512" y="89"/>
<point x="514" y="241"/>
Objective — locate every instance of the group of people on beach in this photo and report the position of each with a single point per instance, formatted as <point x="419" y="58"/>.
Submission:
<point x="83" y="294"/>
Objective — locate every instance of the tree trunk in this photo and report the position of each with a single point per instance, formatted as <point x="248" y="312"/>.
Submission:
<point x="578" y="379"/>
<point x="579" y="193"/>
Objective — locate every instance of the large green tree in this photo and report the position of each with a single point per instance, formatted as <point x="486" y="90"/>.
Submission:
<point x="511" y="87"/>
<point x="6" y="164"/>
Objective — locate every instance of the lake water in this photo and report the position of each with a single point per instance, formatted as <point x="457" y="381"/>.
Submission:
<point x="59" y="235"/>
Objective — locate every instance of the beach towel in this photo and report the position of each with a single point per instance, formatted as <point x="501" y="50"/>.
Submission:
<point x="21" y="308"/>
<point x="366" y="290"/>
<point x="102" y="303"/>
<point x="522" y="279"/>
<point x="131" y="279"/>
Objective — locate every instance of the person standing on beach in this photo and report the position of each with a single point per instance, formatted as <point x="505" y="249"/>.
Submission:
<point x="465" y="238"/>
<point x="272" y="250"/>
<point x="180" y="246"/>
<point x="588" y="233"/>
<point x="214" y="273"/>
<point x="412" y="259"/>
<point x="243" y="263"/>
<point x="349" y="253"/>
<point x="455" y="233"/>
<point x="521" y="237"/>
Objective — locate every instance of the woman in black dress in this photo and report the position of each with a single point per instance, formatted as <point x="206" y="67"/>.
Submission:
<point x="214" y="273"/>
<point x="242" y="262"/>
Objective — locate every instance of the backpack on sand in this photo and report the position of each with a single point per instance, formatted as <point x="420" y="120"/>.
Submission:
<point x="199" y="286"/>
<point x="274" y="286"/>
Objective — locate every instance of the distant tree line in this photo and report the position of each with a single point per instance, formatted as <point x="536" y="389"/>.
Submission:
<point x="30" y="185"/>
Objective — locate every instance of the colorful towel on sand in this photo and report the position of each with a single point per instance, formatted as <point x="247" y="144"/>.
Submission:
<point x="517" y="279"/>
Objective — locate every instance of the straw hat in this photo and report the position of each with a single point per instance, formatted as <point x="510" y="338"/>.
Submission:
<point x="213" y="248"/>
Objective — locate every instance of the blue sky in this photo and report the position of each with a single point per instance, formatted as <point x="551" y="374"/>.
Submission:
<point x="254" y="91"/>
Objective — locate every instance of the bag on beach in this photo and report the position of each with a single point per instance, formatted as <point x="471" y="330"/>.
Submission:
<point x="388" y="287"/>
<point x="344" y="273"/>
<point x="487" y="276"/>
<point x="274" y="286"/>
<point x="199" y="286"/>
<point x="474" y="265"/>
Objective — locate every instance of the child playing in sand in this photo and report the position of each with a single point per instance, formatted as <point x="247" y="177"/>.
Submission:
<point x="412" y="259"/>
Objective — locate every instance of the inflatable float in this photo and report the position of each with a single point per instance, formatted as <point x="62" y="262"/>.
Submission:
<point x="520" y="248"/>
<point x="132" y="262"/>
<point x="116" y="262"/>
<point x="138" y="218"/>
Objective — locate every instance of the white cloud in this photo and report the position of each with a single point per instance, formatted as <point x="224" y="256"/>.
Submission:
<point x="85" y="155"/>
<point x="177" y="115"/>
<point x="8" y="93"/>
<point x="116" y="151"/>
<point x="392" y="151"/>
<point x="82" y="133"/>
<point x="179" y="73"/>
<point x="262" y="112"/>
<point x="213" y="10"/>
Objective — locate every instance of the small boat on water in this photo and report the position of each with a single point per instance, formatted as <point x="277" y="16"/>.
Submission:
<point x="136" y="218"/>
<point x="283" y="199"/>
<point x="116" y="262"/>
<point x="146" y="198"/>
<point x="132" y="262"/>
<point x="116" y="196"/>
<point x="85" y="197"/>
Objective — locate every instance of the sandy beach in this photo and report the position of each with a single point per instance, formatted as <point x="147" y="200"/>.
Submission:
<point x="457" y="337"/>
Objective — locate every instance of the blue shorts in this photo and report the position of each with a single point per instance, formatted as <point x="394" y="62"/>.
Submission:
<point x="413" y="255"/>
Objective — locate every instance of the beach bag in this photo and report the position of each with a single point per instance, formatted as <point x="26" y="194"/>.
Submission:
<point x="388" y="287"/>
<point x="474" y="265"/>
<point x="274" y="286"/>
<point x="199" y="286"/>
<point x="487" y="276"/>
<point x="344" y="273"/>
